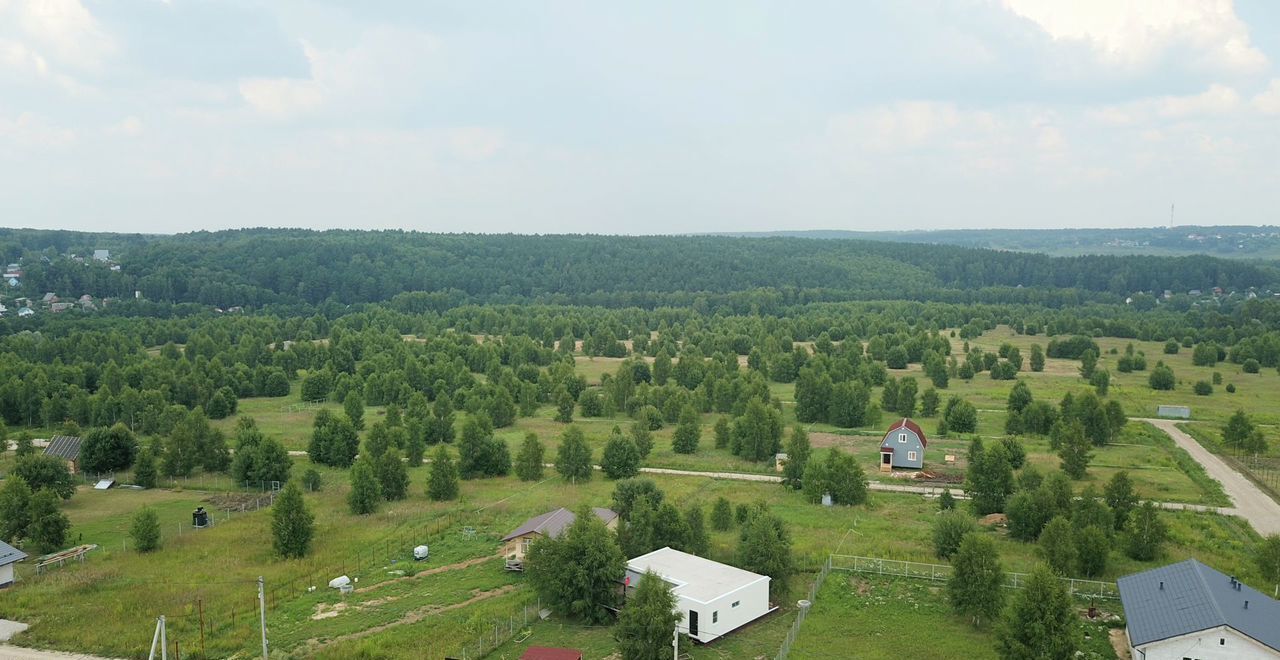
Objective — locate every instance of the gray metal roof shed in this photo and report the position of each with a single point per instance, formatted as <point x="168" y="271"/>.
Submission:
<point x="66" y="447"/>
<point x="1188" y="597"/>
<point x="10" y="554"/>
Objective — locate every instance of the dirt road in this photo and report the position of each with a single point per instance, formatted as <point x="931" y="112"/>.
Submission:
<point x="1247" y="500"/>
<point x="18" y="653"/>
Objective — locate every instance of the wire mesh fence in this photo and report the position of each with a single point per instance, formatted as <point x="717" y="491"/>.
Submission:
<point x="804" y="610"/>
<point x="941" y="572"/>
<point x="502" y="630"/>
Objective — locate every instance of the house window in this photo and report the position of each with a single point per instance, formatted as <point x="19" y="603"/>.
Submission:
<point x="911" y="456"/>
<point x="735" y="603"/>
<point x="715" y="617"/>
<point x="902" y="437"/>
<point x="524" y="546"/>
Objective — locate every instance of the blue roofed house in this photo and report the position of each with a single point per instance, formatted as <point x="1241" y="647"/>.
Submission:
<point x="1188" y="610"/>
<point x="903" y="446"/>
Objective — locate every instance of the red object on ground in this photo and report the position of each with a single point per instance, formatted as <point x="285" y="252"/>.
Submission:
<point x="548" y="653"/>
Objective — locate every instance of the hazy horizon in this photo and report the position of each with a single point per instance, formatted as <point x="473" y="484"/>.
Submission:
<point x="571" y="117"/>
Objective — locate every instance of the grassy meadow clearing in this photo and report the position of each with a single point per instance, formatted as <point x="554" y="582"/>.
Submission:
<point x="108" y="604"/>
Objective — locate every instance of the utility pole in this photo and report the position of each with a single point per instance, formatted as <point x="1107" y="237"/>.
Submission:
<point x="262" y="613"/>
<point x="159" y="637"/>
<point x="675" y="642"/>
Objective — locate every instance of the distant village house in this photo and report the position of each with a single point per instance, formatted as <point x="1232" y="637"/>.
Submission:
<point x="903" y="446"/>
<point x="551" y="524"/>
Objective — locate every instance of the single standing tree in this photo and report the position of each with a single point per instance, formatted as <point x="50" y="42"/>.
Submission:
<point x="529" y="460"/>
<point x="845" y="479"/>
<point x="696" y="540"/>
<point x="145" y="530"/>
<point x="1146" y="533"/>
<point x="47" y="530"/>
<point x="393" y="476"/>
<point x="564" y="405"/>
<point x="442" y="484"/>
<point x="573" y="458"/>
<point x="1073" y="448"/>
<point x="645" y="625"/>
<point x="1120" y="497"/>
<point x="292" y="525"/>
<point x="144" y="469"/>
<point x="989" y="478"/>
<point x="765" y="548"/>
<point x="1040" y="622"/>
<point x="627" y="494"/>
<point x="621" y="459"/>
<point x="722" y="515"/>
<point x="42" y="471"/>
<point x="353" y="406"/>
<point x="798" y="450"/>
<point x="15" y="509"/>
<point x="946" y="501"/>
<point x="976" y="586"/>
<point x="365" y="491"/>
<point x="578" y="573"/>
<point x="1037" y="358"/>
<point x="724" y="432"/>
<point x="1093" y="548"/>
<point x="688" y="432"/>
<point x="1058" y="545"/>
<point x="949" y="529"/>
<point x="643" y="437"/>
<point x="108" y="449"/>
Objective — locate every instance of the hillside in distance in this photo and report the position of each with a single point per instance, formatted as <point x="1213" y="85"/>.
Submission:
<point x="1222" y="241"/>
<point x="256" y="267"/>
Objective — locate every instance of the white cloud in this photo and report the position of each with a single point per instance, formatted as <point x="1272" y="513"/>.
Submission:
<point x="903" y="125"/>
<point x="1217" y="100"/>
<point x="128" y="127"/>
<point x="1136" y="34"/>
<point x="30" y="130"/>
<point x="62" y="30"/>
<point x="1268" y="102"/>
<point x="386" y="67"/>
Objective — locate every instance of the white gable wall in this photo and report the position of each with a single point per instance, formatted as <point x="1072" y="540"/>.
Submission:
<point x="6" y="575"/>
<point x="1220" y="643"/>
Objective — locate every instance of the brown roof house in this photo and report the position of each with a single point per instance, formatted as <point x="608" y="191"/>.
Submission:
<point x="551" y="524"/>
<point x="66" y="447"/>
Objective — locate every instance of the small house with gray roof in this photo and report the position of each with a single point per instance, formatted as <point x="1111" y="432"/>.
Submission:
<point x="1188" y="610"/>
<point x="66" y="447"/>
<point x="9" y="556"/>
<point x="551" y="524"/>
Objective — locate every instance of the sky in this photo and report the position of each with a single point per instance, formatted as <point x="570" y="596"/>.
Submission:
<point x="638" y="118"/>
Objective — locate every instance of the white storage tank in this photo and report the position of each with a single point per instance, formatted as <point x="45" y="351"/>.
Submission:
<point x="421" y="552"/>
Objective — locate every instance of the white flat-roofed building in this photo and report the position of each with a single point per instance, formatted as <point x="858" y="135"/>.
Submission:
<point x="713" y="598"/>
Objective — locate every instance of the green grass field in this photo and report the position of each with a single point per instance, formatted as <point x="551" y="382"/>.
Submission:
<point x="108" y="605"/>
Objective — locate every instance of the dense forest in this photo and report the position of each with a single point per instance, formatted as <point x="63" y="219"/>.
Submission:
<point x="1226" y="241"/>
<point x="260" y="267"/>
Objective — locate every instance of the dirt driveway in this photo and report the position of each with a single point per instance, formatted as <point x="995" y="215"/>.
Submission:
<point x="1247" y="500"/>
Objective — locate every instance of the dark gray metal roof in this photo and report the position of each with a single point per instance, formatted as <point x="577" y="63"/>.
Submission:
<point x="10" y="554"/>
<point x="1195" y="597"/>
<point x="66" y="447"/>
<point x="553" y="523"/>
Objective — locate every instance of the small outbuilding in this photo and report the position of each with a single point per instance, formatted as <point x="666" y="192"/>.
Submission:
<point x="552" y="524"/>
<point x="903" y="446"/>
<point x="713" y="599"/>
<point x="9" y="556"/>
<point x="1179" y="412"/>
<point x="66" y="447"/>
<point x="550" y="653"/>
<point x="1188" y="610"/>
